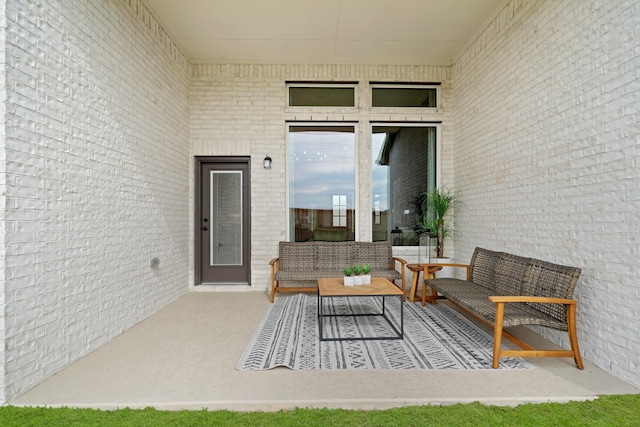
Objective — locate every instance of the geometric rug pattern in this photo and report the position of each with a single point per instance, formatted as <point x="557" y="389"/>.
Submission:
<point x="435" y="337"/>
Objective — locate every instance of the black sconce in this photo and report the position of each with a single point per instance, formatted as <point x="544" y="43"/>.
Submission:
<point x="267" y="162"/>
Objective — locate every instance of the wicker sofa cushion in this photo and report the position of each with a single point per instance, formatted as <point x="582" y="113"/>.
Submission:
<point x="306" y="275"/>
<point x="476" y="300"/>
<point x="387" y="274"/>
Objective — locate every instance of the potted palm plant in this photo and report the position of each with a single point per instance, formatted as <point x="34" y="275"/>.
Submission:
<point x="434" y="214"/>
<point x="439" y="203"/>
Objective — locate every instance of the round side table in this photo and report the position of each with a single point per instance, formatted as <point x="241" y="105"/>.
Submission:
<point x="416" y="269"/>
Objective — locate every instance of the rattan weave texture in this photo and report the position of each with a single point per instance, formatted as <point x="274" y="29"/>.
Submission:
<point x="503" y="274"/>
<point x="313" y="260"/>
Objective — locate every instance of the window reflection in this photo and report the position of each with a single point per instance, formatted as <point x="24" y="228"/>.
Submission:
<point x="404" y="163"/>
<point x="321" y="183"/>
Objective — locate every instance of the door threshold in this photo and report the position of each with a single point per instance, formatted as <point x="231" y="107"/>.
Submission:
<point x="223" y="287"/>
<point x="217" y="285"/>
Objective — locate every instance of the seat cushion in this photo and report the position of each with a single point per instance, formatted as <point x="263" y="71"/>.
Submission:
<point x="475" y="299"/>
<point x="387" y="274"/>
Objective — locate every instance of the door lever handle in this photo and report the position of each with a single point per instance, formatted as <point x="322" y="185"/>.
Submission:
<point x="205" y="228"/>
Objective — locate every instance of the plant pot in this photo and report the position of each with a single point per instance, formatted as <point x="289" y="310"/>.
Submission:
<point x="348" y="280"/>
<point x="357" y="280"/>
<point x="366" y="279"/>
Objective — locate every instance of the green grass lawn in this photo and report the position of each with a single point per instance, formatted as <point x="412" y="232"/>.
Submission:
<point x="621" y="410"/>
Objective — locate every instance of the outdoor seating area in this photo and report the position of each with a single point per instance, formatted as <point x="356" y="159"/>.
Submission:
<point x="310" y="261"/>
<point x="501" y="289"/>
<point x="506" y="290"/>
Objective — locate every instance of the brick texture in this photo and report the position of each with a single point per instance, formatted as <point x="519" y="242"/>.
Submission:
<point x="95" y="158"/>
<point x="547" y="149"/>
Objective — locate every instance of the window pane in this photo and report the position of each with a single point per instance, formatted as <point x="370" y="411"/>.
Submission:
<point x="321" y="183"/>
<point x="321" y="96"/>
<point x="226" y="218"/>
<point x="403" y="97"/>
<point x="403" y="167"/>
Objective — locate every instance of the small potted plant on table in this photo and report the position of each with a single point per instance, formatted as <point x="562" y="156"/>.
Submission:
<point x="357" y="279"/>
<point x="366" y="274"/>
<point x="348" y="278"/>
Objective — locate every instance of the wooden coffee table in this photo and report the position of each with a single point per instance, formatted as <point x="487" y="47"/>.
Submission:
<point x="379" y="287"/>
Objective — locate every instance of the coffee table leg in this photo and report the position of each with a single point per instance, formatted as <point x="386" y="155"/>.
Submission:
<point x="401" y="319"/>
<point x="320" y="317"/>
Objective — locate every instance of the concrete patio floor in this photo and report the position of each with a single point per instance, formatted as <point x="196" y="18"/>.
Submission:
<point x="184" y="357"/>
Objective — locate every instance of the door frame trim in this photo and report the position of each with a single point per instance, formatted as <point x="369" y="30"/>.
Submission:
<point x="199" y="161"/>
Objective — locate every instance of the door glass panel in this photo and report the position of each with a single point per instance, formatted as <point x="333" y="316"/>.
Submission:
<point x="226" y="218"/>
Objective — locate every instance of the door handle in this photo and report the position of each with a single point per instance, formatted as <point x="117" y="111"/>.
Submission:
<point x="205" y="228"/>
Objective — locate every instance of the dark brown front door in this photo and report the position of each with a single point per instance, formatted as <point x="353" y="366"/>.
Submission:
<point x="223" y="238"/>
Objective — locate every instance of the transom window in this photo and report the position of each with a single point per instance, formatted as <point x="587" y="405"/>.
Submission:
<point x="404" y="95"/>
<point x="321" y="94"/>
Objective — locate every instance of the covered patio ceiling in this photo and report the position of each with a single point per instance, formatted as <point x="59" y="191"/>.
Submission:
<point x="379" y="32"/>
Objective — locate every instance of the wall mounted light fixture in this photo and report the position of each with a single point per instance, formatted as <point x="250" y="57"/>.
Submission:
<point x="267" y="162"/>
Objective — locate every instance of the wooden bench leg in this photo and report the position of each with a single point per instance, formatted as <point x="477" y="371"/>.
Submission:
<point x="273" y="291"/>
<point x="497" y="335"/>
<point x="573" y="335"/>
<point x="274" y="282"/>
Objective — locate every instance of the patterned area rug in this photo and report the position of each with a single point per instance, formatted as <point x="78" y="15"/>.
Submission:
<point x="435" y="337"/>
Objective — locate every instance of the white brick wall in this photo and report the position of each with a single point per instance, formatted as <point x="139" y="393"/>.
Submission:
<point x="240" y="110"/>
<point x="547" y="156"/>
<point x="97" y="167"/>
<point x="3" y="190"/>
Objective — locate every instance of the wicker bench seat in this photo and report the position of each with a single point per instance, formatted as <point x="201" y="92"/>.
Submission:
<point x="309" y="261"/>
<point x="505" y="290"/>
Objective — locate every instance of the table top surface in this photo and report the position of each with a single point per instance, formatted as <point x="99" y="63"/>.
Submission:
<point x="416" y="267"/>
<point x="334" y="287"/>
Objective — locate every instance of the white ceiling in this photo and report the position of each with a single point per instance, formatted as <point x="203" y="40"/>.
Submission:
<point x="408" y="32"/>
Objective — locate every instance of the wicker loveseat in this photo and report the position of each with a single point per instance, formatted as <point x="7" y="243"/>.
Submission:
<point x="308" y="261"/>
<point x="505" y="290"/>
